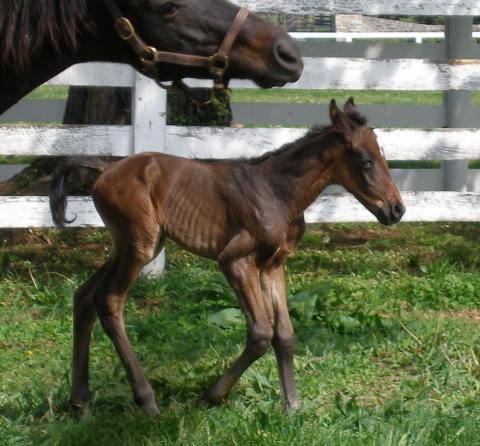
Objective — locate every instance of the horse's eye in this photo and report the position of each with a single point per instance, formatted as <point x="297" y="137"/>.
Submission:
<point x="167" y="9"/>
<point x="366" y="164"/>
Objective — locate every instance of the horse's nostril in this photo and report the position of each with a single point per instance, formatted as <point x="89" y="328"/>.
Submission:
<point x="398" y="210"/>
<point x="287" y="55"/>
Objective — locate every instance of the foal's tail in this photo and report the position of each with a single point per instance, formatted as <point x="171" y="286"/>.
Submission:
<point x="58" y="194"/>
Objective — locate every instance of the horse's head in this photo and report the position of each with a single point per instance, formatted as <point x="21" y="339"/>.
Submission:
<point x="361" y="166"/>
<point x="260" y="51"/>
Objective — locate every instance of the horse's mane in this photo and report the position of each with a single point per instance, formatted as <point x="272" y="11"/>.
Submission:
<point x="25" y="25"/>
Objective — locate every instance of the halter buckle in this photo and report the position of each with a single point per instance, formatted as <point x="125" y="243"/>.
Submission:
<point x="217" y="64"/>
<point x="124" y="28"/>
<point x="150" y="59"/>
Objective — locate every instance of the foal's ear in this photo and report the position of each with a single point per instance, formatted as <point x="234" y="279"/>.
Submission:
<point x="338" y="118"/>
<point x="350" y="107"/>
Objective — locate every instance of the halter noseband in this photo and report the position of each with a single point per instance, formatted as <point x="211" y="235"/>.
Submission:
<point x="216" y="64"/>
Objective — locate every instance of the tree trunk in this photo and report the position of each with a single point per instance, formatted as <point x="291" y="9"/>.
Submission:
<point x="98" y="106"/>
<point x="112" y="106"/>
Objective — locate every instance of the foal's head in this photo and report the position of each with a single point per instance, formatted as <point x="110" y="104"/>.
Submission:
<point x="261" y="51"/>
<point x="360" y="165"/>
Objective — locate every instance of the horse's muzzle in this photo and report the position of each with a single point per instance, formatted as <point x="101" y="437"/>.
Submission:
<point x="390" y="214"/>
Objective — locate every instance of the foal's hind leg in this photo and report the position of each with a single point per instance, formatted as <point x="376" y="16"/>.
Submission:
<point x="243" y="276"/>
<point x="130" y="256"/>
<point x="84" y="316"/>
<point x="273" y="285"/>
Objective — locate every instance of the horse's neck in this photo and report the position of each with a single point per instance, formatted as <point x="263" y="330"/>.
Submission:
<point x="101" y="44"/>
<point x="302" y="172"/>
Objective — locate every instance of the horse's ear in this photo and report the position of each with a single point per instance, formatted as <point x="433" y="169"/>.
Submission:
<point x="350" y="107"/>
<point x="338" y="118"/>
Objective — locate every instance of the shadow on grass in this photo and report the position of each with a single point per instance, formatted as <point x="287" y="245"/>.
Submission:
<point x="319" y="339"/>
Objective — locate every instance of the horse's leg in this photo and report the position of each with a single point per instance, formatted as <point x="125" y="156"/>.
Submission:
<point x="109" y="299"/>
<point x="243" y="276"/>
<point x="273" y="285"/>
<point x="84" y="316"/>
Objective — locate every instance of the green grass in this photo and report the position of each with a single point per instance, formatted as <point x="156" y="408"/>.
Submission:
<point x="324" y="96"/>
<point x="388" y="346"/>
<point x="378" y="97"/>
<point x="302" y="96"/>
<point x="49" y="92"/>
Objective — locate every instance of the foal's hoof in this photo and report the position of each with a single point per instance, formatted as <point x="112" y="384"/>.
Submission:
<point x="148" y="405"/>
<point x="208" y="399"/>
<point x="151" y="409"/>
<point x="79" y="410"/>
<point x="291" y="408"/>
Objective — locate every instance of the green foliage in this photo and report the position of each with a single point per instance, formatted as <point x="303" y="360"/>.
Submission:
<point x="215" y="111"/>
<point x="226" y="318"/>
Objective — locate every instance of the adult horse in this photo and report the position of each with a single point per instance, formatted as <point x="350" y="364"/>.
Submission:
<point x="245" y="214"/>
<point x="167" y="40"/>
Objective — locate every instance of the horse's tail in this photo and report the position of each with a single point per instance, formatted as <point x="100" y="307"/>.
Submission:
<point x="58" y="194"/>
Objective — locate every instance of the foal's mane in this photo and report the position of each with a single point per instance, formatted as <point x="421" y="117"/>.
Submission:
<point x="314" y="131"/>
<point x="353" y="114"/>
<point x="356" y="118"/>
<point x="25" y="25"/>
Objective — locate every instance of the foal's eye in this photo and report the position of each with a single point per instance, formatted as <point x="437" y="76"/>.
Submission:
<point x="167" y="9"/>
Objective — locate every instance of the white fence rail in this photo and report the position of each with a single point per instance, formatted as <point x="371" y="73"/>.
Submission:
<point x="367" y="7"/>
<point x="338" y="208"/>
<point x="419" y="37"/>
<point x="149" y="131"/>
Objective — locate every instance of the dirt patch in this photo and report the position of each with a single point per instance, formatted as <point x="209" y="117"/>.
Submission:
<point x="335" y="237"/>
<point x="470" y="315"/>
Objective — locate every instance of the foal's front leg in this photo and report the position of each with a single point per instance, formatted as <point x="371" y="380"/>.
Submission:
<point x="243" y="276"/>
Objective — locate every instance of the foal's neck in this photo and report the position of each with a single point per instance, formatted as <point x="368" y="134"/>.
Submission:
<point x="301" y="172"/>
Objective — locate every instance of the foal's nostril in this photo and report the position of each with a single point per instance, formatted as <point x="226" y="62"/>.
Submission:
<point x="287" y="55"/>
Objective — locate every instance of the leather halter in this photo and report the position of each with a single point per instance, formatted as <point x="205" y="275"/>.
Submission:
<point x="149" y="56"/>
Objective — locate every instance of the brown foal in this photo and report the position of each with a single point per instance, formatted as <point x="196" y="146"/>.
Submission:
<point x="246" y="214"/>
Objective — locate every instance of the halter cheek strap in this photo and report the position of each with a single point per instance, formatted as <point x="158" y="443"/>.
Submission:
<point x="216" y="64"/>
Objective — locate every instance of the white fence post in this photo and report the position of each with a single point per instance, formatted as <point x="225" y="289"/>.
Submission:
<point x="458" y="35"/>
<point x="149" y="122"/>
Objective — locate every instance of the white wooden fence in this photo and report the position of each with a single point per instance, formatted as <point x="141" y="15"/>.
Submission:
<point x="375" y="69"/>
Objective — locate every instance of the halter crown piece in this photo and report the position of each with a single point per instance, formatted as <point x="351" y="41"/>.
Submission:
<point x="216" y="64"/>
